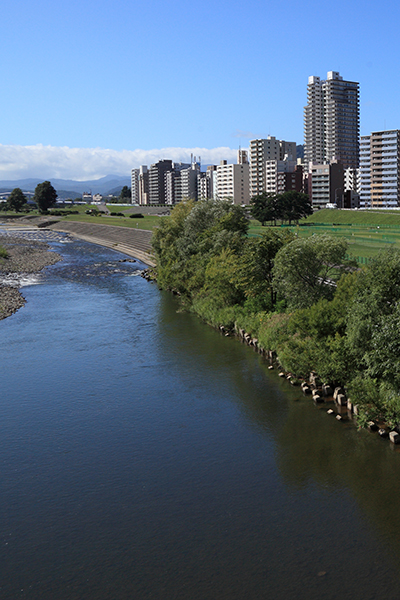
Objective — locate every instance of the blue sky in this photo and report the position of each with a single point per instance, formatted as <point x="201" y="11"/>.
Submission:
<point x="85" y="81"/>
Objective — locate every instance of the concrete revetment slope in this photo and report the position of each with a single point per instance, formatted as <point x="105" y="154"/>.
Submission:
<point x="130" y="241"/>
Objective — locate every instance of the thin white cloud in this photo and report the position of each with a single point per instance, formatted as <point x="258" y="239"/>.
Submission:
<point x="239" y="133"/>
<point x="45" y="162"/>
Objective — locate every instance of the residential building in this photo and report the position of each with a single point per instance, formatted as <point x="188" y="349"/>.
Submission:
<point x="380" y="169"/>
<point x="365" y="171"/>
<point x="242" y="157"/>
<point x="173" y="183"/>
<point x="261" y="151"/>
<point x="157" y="191"/>
<point x="143" y="185"/>
<point x="207" y="183"/>
<point x="233" y="182"/>
<point x="326" y="184"/>
<point x="202" y="186"/>
<point x="351" y="179"/>
<point x="332" y="121"/>
<point x="135" y="186"/>
<point x="87" y="197"/>
<point x="283" y="176"/>
<point x="189" y="181"/>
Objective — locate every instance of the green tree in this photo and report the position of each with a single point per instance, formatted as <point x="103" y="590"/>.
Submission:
<point x="45" y="196"/>
<point x="193" y="234"/>
<point x="256" y="267"/>
<point x="16" y="200"/>
<point x="305" y="269"/>
<point x="264" y="207"/>
<point x="125" y="193"/>
<point x="372" y="333"/>
<point x="295" y="206"/>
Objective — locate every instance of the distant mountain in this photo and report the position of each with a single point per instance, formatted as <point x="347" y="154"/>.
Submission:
<point x="103" y="186"/>
<point x="116" y="191"/>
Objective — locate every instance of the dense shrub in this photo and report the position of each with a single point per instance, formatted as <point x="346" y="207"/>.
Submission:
<point x="299" y="297"/>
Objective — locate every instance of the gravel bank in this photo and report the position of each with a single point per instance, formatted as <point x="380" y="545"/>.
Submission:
<point x="25" y="256"/>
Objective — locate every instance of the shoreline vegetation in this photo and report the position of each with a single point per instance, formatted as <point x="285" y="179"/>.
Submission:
<point x="297" y="299"/>
<point x="20" y="256"/>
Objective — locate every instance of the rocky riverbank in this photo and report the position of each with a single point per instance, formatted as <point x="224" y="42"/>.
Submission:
<point x="24" y="256"/>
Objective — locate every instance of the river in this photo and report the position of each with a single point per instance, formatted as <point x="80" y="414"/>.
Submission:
<point x="145" y="456"/>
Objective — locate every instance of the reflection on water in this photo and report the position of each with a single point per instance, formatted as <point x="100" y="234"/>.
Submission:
<point x="145" y="456"/>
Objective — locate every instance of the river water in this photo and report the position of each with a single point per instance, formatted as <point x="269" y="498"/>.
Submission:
<point x="145" y="456"/>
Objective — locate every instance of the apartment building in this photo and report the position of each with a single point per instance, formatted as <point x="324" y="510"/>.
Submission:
<point x="233" y="182"/>
<point x="242" y="157"/>
<point x="135" y="186"/>
<point x="332" y="121"/>
<point x="157" y="192"/>
<point x="166" y="182"/>
<point x="261" y="151"/>
<point x="143" y="185"/>
<point x="380" y="169"/>
<point x="188" y="178"/>
<point x="207" y="183"/>
<point x="283" y="176"/>
<point x="173" y="183"/>
<point x="326" y="184"/>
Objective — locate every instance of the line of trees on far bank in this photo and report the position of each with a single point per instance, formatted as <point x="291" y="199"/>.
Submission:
<point x="288" y="206"/>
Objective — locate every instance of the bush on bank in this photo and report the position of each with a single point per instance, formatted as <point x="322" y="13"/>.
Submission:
<point x="299" y="297"/>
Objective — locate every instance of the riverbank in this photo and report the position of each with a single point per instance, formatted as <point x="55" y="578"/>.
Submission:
<point x="133" y="242"/>
<point x="24" y="256"/>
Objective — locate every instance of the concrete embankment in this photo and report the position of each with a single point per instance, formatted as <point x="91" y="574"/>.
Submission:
<point x="130" y="241"/>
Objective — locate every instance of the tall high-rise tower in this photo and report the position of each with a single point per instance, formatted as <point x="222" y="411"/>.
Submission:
<point x="332" y="121"/>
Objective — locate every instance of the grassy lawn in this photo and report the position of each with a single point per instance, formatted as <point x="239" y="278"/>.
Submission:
<point x="148" y="222"/>
<point x="119" y="208"/>
<point x="365" y="218"/>
<point x="366" y="232"/>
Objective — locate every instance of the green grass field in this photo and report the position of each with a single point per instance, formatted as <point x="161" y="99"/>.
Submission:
<point x="367" y="232"/>
<point x="388" y="218"/>
<point x="147" y="222"/>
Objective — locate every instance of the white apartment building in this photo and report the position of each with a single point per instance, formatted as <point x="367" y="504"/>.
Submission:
<point x="264" y="150"/>
<point x="233" y="182"/>
<point x="380" y="169"/>
<point x="207" y="183"/>
<point x="143" y="185"/>
<point x="332" y="121"/>
<point x="189" y="182"/>
<point x="365" y="171"/>
<point x="135" y="186"/>
<point x="173" y="183"/>
<point x="351" y="180"/>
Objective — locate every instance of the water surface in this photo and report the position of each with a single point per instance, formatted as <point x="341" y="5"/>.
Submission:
<point x="144" y="456"/>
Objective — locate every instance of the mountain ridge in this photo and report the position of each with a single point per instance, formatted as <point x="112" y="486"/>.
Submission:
<point x="103" y="186"/>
